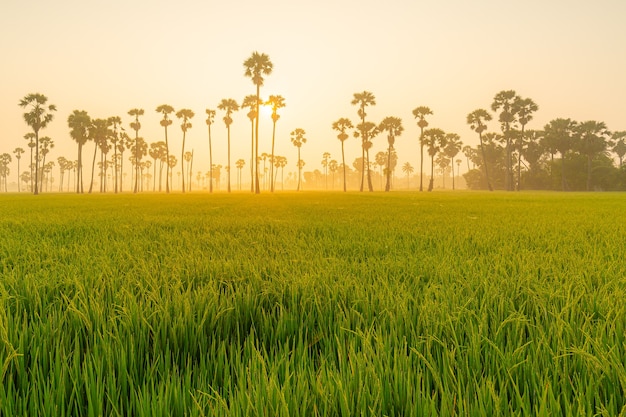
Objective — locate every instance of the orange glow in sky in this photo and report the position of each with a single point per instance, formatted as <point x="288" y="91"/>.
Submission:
<point x="450" y="55"/>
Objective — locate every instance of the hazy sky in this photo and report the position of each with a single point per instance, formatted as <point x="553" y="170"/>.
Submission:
<point x="107" y="57"/>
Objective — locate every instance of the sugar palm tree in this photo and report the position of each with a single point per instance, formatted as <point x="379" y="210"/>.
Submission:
<point x="363" y="100"/>
<point x="5" y="160"/>
<point x="593" y="139"/>
<point x="619" y="145"/>
<point x="37" y="117"/>
<point x="504" y="101"/>
<point x="453" y="147"/>
<point x="185" y="115"/>
<point x="341" y="126"/>
<point x="325" y="160"/>
<point x="45" y="144"/>
<point x="476" y="120"/>
<point x="276" y="102"/>
<point x="420" y="114"/>
<point x="257" y="66"/>
<point x="166" y="110"/>
<point x="99" y="133"/>
<point x="80" y="124"/>
<point x="209" y="121"/>
<point x="559" y="134"/>
<point x="524" y="108"/>
<point x="251" y="102"/>
<point x="434" y="139"/>
<point x="18" y="155"/>
<point x="115" y="123"/>
<point x="407" y="168"/>
<point x="30" y="137"/>
<point x="136" y="126"/>
<point x="393" y="127"/>
<point x="298" y="139"/>
<point x="239" y="164"/>
<point x="229" y="105"/>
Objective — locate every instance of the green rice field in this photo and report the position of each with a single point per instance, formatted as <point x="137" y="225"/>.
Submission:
<point x="313" y="304"/>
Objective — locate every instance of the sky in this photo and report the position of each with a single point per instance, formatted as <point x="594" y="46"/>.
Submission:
<point x="107" y="57"/>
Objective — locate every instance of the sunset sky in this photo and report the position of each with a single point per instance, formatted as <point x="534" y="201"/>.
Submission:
<point x="107" y="57"/>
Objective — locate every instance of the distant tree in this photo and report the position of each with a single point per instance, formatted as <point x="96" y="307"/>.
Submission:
<point x="325" y="160"/>
<point x="30" y="137"/>
<point x="136" y="126"/>
<point x="524" y="108"/>
<point x="209" y="121"/>
<point x="504" y="101"/>
<point x="559" y="135"/>
<point x="434" y="139"/>
<point x="229" y="105"/>
<point x="341" y="126"/>
<point x="257" y="66"/>
<point x="593" y="139"/>
<point x="5" y="160"/>
<point x="453" y="147"/>
<point x="276" y="102"/>
<point x="37" y="117"/>
<point x="298" y="139"/>
<point x="251" y="102"/>
<point x="45" y="144"/>
<point x="98" y="133"/>
<point x="239" y="164"/>
<point x="364" y="130"/>
<point x="280" y="162"/>
<point x="18" y="155"/>
<point x="476" y="120"/>
<point x="333" y="167"/>
<point x="619" y="145"/>
<point x="186" y="115"/>
<point x="420" y="113"/>
<point x="393" y="127"/>
<point x="115" y="123"/>
<point x="407" y="168"/>
<point x="166" y="110"/>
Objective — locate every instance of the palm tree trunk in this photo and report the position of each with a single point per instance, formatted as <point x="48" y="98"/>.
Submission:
<point x="482" y="150"/>
<point x="167" y="163"/>
<point x="422" y="159"/>
<point x="343" y="161"/>
<point x="431" y="184"/>
<point x="388" y="184"/>
<point x="252" y="158"/>
<point x="36" y="191"/>
<point x="228" y="163"/>
<point x="272" y="161"/>
<point x="211" y="161"/>
<point x="93" y="167"/>
<point x="589" y="170"/>
<point x="370" y="186"/>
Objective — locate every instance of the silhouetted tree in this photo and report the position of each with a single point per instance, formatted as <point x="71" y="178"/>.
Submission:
<point x="276" y="102"/>
<point x="420" y="113"/>
<point x="524" y="108"/>
<point x="136" y="126"/>
<point x="393" y="127"/>
<point x="476" y="120"/>
<point x="592" y="140"/>
<point x="229" y="106"/>
<point x="341" y="125"/>
<point x="251" y="102"/>
<point x="18" y="155"/>
<point x="504" y="101"/>
<point x="298" y="139"/>
<point x="559" y="134"/>
<point x="407" y="168"/>
<point x="434" y="139"/>
<point x="451" y="150"/>
<point x="364" y="130"/>
<point x="185" y="115"/>
<point x="166" y="110"/>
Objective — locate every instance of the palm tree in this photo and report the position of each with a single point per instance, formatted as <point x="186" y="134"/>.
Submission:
<point x="593" y="139"/>
<point x="229" y="105"/>
<point x="341" y="125"/>
<point x="38" y="117"/>
<point x="115" y="123"/>
<point x="619" y="145"/>
<point x="30" y="137"/>
<point x="18" y="155"/>
<point x="393" y="126"/>
<point x="251" y="102"/>
<point x="476" y="120"/>
<point x="453" y="147"/>
<point x="363" y="100"/>
<point x="166" y="110"/>
<point x="276" y="102"/>
<point x="185" y="125"/>
<point x="5" y="160"/>
<point x="239" y="164"/>
<point x="333" y="166"/>
<point x="434" y="139"/>
<point x="524" y="108"/>
<point x="504" y="101"/>
<point x="257" y="66"/>
<point x="209" y="121"/>
<point x="80" y="124"/>
<point x="325" y="160"/>
<point x="99" y="132"/>
<point x="136" y="126"/>
<point x="45" y="144"/>
<point x="420" y="113"/>
<point x="559" y="135"/>
<point x="408" y="170"/>
<point x="298" y="139"/>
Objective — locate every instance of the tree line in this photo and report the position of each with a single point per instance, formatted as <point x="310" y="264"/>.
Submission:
<point x="565" y="154"/>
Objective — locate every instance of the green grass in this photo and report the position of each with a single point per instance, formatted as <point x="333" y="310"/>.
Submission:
<point x="313" y="304"/>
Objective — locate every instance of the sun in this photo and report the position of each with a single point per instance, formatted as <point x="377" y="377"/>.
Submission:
<point x="265" y="110"/>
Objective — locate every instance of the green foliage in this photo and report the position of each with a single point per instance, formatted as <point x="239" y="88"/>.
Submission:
<point x="313" y="304"/>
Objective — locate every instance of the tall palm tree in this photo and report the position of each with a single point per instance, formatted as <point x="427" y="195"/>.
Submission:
<point x="325" y="160"/>
<point x="99" y="133"/>
<point x="229" y="105"/>
<point x="593" y="139"/>
<point x="276" y="102"/>
<point x="251" y="102"/>
<point x="80" y="124"/>
<point x="477" y="120"/>
<point x="37" y="117"/>
<point x="185" y="125"/>
<point x="298" y="139"/>
<point x="559" y="134"/>
<point x="209" y="121"/>
<point x="407" y="168"/>
<point x="363" y="100"/>
<point x="420" y="114"/>
<point x="18" y="155"/>
<point x="136" y="126"/>
<point x="166" y="110"/>
<point x="257" y="66"/>
<point x="5" y="160"/>
<point x="393" y="127"/>
<point x="333" y="167"/>
<point x="504" y="101"/>
<point x="116" y="123"/>
<point x="239" y="164"/>
<point x="619" y="145"/>
<point x="45" y="144"/>
<point x="434" y="139"/>
<point x="341" y="125"/>
<point x="453" y="147"/>
<point x="524" y="108"/>
<point x="30" y="137"/>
